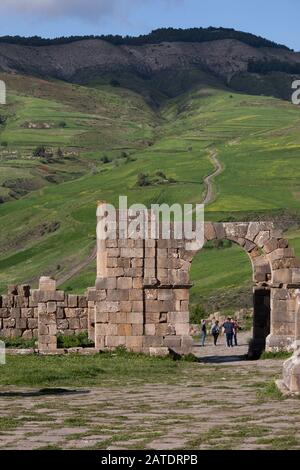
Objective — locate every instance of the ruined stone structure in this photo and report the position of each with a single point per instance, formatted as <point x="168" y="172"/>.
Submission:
<point x="142" y="288"/>
<point x="291" y="367"/>
<point x="24" y="312"/>
<point x="141" y="297"/>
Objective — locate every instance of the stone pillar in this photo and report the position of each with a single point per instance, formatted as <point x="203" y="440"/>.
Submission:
<point x="47" y="310"/>
<point x="119" y="306"/>
<point x="282" y="332"/>
<point x="141" y="296"/>
<point x="291" y="367"/>
<point x="47" y="330"/>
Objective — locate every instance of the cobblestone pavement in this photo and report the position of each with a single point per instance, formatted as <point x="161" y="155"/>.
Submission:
<point x="226" y="403"/>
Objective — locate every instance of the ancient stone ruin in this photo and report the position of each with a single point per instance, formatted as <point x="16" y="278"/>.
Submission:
<point x="25" y="312"/>
<point x="141" y="296"/>
<point x="291" y="368"/>
<point x="142" y="289"/>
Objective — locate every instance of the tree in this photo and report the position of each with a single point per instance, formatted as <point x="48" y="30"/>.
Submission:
<point x="275" y="65"/>
<point x="59" y="153"/>
<point x="143" y="180"/>
<point x="62" y="124"/>
<point x="39" y="151"/>
<point x="156" y="36"/>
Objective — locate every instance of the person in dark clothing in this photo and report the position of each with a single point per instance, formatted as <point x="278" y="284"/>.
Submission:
<point x="215" y="331"/>
<point x="203" y="332"/>
<point x="235" y="331"/>
<point x="228" y="330"/>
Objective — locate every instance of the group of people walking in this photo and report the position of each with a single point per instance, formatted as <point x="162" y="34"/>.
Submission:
<point x="230" y="328"/>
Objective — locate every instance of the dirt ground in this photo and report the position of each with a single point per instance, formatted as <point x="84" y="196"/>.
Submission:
<point x="229" y="403"/>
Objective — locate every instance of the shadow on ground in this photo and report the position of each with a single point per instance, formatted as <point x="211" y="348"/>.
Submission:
<point x="222" y="359"/>
<point x="44" y="392"/>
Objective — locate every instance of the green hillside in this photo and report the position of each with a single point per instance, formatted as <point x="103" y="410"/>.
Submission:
<point x="107" y="137"/>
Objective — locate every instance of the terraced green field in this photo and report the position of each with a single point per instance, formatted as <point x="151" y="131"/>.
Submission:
<point x="52" y="227"/>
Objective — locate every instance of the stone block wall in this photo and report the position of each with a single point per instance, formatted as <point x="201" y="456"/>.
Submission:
<point x="133" y="308"/>
<point x="22" y="307"/>
<point x="141" y="297"/>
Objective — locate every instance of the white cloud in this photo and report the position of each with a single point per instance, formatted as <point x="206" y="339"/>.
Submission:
<point x="88" y="9"/>
<point x="60" y="8"/>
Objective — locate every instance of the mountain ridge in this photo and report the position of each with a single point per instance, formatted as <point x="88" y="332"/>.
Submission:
<point x="156" y="36"/>
<point x="149" y="68"/>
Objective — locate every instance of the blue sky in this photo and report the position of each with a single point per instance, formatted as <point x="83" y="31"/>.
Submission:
<point x="274" y="19"/>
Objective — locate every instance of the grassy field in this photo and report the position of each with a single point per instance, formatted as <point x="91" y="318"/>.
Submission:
<point x="103" y="369"/>
<point x="52" y="227"/>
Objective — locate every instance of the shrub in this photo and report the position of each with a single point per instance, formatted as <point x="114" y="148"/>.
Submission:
<point x="189" y="358"/>
<point x="115" y="83"/>
<point x="74" y="341"/>
<point x="105" y="159"/>
<point x="161" y="174"/>
<point x="19" y="342"/>
<point x="39" y="151"/>
<point x="276" y="355"/>
<point x="197" y="314"/>
<point x="4" y="143"/>
<point x="143" y="180"/>
<point x="62" y="124"/>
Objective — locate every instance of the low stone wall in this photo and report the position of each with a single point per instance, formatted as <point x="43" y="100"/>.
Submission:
<point x="21" y="308"/>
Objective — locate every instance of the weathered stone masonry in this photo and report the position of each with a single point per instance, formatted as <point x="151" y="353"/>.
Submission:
<point x="142" y="288"/>
<point x="141" y="297"/>
<point x="24" y="312"/>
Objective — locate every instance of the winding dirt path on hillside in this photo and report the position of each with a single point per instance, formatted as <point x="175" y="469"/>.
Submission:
<point x="209" y="196"/>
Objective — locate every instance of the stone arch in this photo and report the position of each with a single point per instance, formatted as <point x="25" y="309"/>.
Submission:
<point x="273" y="261"/>
<point x="142" y="287"/>
<point x="276" y="275"/>
<point x="248" y="238"/>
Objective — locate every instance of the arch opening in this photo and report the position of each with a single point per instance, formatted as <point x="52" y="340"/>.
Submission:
<point x="225" y="284"/>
